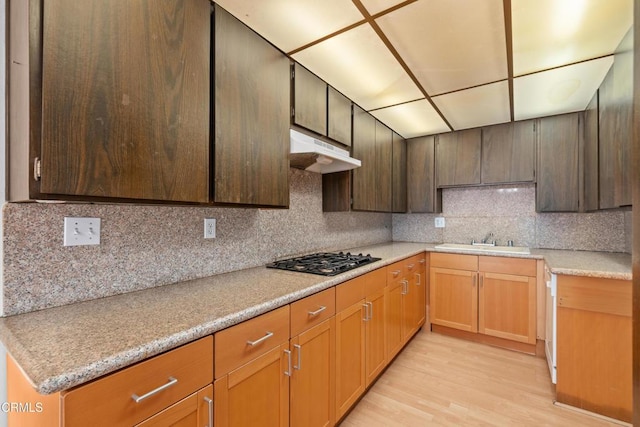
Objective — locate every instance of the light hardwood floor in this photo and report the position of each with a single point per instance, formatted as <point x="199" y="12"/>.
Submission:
<point x="443" y="381"/>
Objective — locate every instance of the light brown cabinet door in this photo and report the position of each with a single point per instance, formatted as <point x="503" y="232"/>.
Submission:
<point x="256" y="394"/>
<point x="507" y="307"/>
<point x="458" y="158"/>
<point x="339" y="117"/>
<point x="350" y="357"/>
<point x="309" y="100"/>
<point x="375" y="336"/>
<point x="393" y="315"/>
<point x="252" y="119"/>
<point x="364" y="149"/>
<point x="508" y="152"/>
<point x="312" y="387"/>
<point x="193" y="411"/>
<point x="557" y="181"/>
<point x="421" y="187"/>
<point x="125" y="99"/>
<point x="399" y="177"/>
<point x="454" y="298"/>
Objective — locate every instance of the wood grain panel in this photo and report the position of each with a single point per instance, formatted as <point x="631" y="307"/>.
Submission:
<point x="421" y="187"/>
<point x="382" y="185"/>
<point x="350" y="358"/>
<point x="375" y="281"/>
<point x="310" y="100"/>
<point x="301" y="311"/>
<point x="458" y="156"/>
<point x="108" y="402"/>
<point x="595" y="294"/>
<point x="393" y="318"/>
<point x="508" y="152"/>
<point x="454" y="298"/>
<point x="350" y="292"/>
<point x="126" y="93"/>
<point x="231" y="345"/>
<point x="252" y="119"/>
<point x="375" y="342"/>
<point x="399" y="174"/>
<point x="190" y="411"/>
<point x="454" y="261"/>
<point x="591" y="190"/>
<point x="339" y="117"/>
<point x="518" y="266"/>
<point x="557" y="174"/>
<point x="336" y="192"/>
<point x="364" y="149"/>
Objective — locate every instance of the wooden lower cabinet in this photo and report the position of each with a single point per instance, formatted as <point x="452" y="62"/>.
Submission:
<point x="393" y="308"/>
<point x="350" y="357"/>
<point x="312" y="386"/>
<point x="454" y="298"/>
<point x="375" y="355"/>
<point x="257" y="393"/>
<point x="192" y="411"/>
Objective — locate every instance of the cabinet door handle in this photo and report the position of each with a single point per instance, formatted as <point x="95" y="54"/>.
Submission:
<point x="419" y="282"/>
<point x="481" y="280"/>
<point x="410" y="266"/>
<point x="475" y="279"/>
<point x="395" y="273"/>
<point x="371" y="308"/>
<point x="366" y="312"/>
<point x="299" y="349"/>
<point x="288" y="371"/>
<point x="422" y="261"/>
<point x="139" y="399"/>
<point x="258" y="341"/>
<point x="318" y="311"/>
<point x="405" y="287"/>
<point x="210" y="407"/>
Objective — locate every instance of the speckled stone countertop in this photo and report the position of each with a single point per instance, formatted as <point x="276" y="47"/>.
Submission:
<point x="62" y="347"/>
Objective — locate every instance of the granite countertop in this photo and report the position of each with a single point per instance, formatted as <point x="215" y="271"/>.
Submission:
<point x="62" y="347"/>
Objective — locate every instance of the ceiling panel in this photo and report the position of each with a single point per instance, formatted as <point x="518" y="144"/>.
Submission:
<point x="290" y="24"/>
<point x="450" y="45"/>
<point x="358" y="64"/>
<point x="412" y="119"/>
<point x="561" y="90"/>
<point x="480" y="106"/>
<point x="550" y="33"/>
<point x="377" y="6"/>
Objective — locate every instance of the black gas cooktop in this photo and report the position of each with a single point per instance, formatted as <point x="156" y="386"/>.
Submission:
<point x="324" y="263"/>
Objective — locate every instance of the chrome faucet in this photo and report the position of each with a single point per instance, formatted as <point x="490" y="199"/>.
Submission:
<point x="490" y="239"/>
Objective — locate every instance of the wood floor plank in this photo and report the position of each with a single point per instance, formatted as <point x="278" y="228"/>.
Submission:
<point x="443" y="381"/>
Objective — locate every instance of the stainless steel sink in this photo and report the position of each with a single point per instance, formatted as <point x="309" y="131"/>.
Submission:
<point x="483" y="248"/>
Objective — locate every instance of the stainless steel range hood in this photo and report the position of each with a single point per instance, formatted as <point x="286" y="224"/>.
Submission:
<point x="318" y="156"/>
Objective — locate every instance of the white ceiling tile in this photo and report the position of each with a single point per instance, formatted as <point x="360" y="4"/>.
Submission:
<point x="561" y="90"/>
<point x="377" y="6"/>
<point x="290" y="24"/>
<point x="412" y="119"/>
<point x="479" y="106"/>
<point x="358" y="64"/>
<point x="450" y="45"/>
<point x="551" y="33"/>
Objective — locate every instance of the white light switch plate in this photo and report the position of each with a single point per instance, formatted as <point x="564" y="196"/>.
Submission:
<point x="81" y="231"/>
<point x="439" y="222"/>
<point x="209" y="228"/>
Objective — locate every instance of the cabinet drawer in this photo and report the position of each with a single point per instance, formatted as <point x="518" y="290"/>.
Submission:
<point x="110" y="401"/>
<point x="375" y="281"/>
<point x="312" y="311"/>
<point x="415" y="263"/>
<point x="395" y="272"/>
<point x="517" y="266"/>
<point x="454" y="261"/>
<point x="241" y="343"/>
<point x="350" y="292"/>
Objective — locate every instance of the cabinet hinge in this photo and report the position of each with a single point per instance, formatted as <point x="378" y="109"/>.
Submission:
<point x="37" y="172"/>
<point x="293" y="73"/>
<point x="293" y="112"/>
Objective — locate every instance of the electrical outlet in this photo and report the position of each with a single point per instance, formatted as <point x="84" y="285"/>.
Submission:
<point x="439" y="222"/>
<point x="209" y="228"/>
<point x="81" y="231"/>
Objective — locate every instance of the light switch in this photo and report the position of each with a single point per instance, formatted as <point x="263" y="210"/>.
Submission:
<point x="81" y="231"/>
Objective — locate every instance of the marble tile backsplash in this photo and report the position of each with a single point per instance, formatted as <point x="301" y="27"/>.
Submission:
<point x="509" y="213"/>
<point x="148" y="246"/>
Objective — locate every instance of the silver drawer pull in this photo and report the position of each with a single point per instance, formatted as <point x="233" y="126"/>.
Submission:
<point x="258" y="341"/>
<point x="299" y="365"/>
<point x="139" y="399"/>
<point x="210" y="407"/>
<point x="288" y="372"/>
<point x="410" y="266"/>
<point x="318" y="311"/>
<point x="395" y="273"/>
<point x="422" y="261"/>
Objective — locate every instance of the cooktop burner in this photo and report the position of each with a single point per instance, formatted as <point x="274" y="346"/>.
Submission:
<point x="324" y="263"/>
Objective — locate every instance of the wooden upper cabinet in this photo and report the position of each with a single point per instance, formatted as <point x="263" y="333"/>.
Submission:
<point x="251" y="117"/>
<point x="421" y="188"/>
<point x="615" y="132"/>
<point x="338" y="117"/>
<point x="458" y="158"/>
<point x="557" y="182"/>
<point x="117" y="106"/>
<point x="399" y="175"/>
<point x="309" y="100"/>
<point x="364" y="149"/>
<point x="384" y="164"/>
<point x="508" y="152"/>
<point x="591" y="190"/>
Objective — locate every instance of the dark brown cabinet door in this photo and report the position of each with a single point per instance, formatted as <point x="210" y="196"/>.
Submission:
<point x="364" y="149"/>
<point x="125" y="99"/>
<point x="458" y="158"/>
<point x="591" y="155"/>
<point x="310" y="100"/>
<point x="508" y="152"/>
<point x="384" y="164"/>
<point x="251" y="117"/>
<point x="399" y="170"/>
<point x="616" y="96"/>
<point x="557" y="181"/>
<point x="339" y="117"/>
<point x="421" y="187"/>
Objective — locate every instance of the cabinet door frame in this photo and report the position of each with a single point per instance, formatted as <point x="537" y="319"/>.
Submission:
<point x="375" y="337"/>
<point x="343" y="403"/>
<point x="471" y="295"/>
